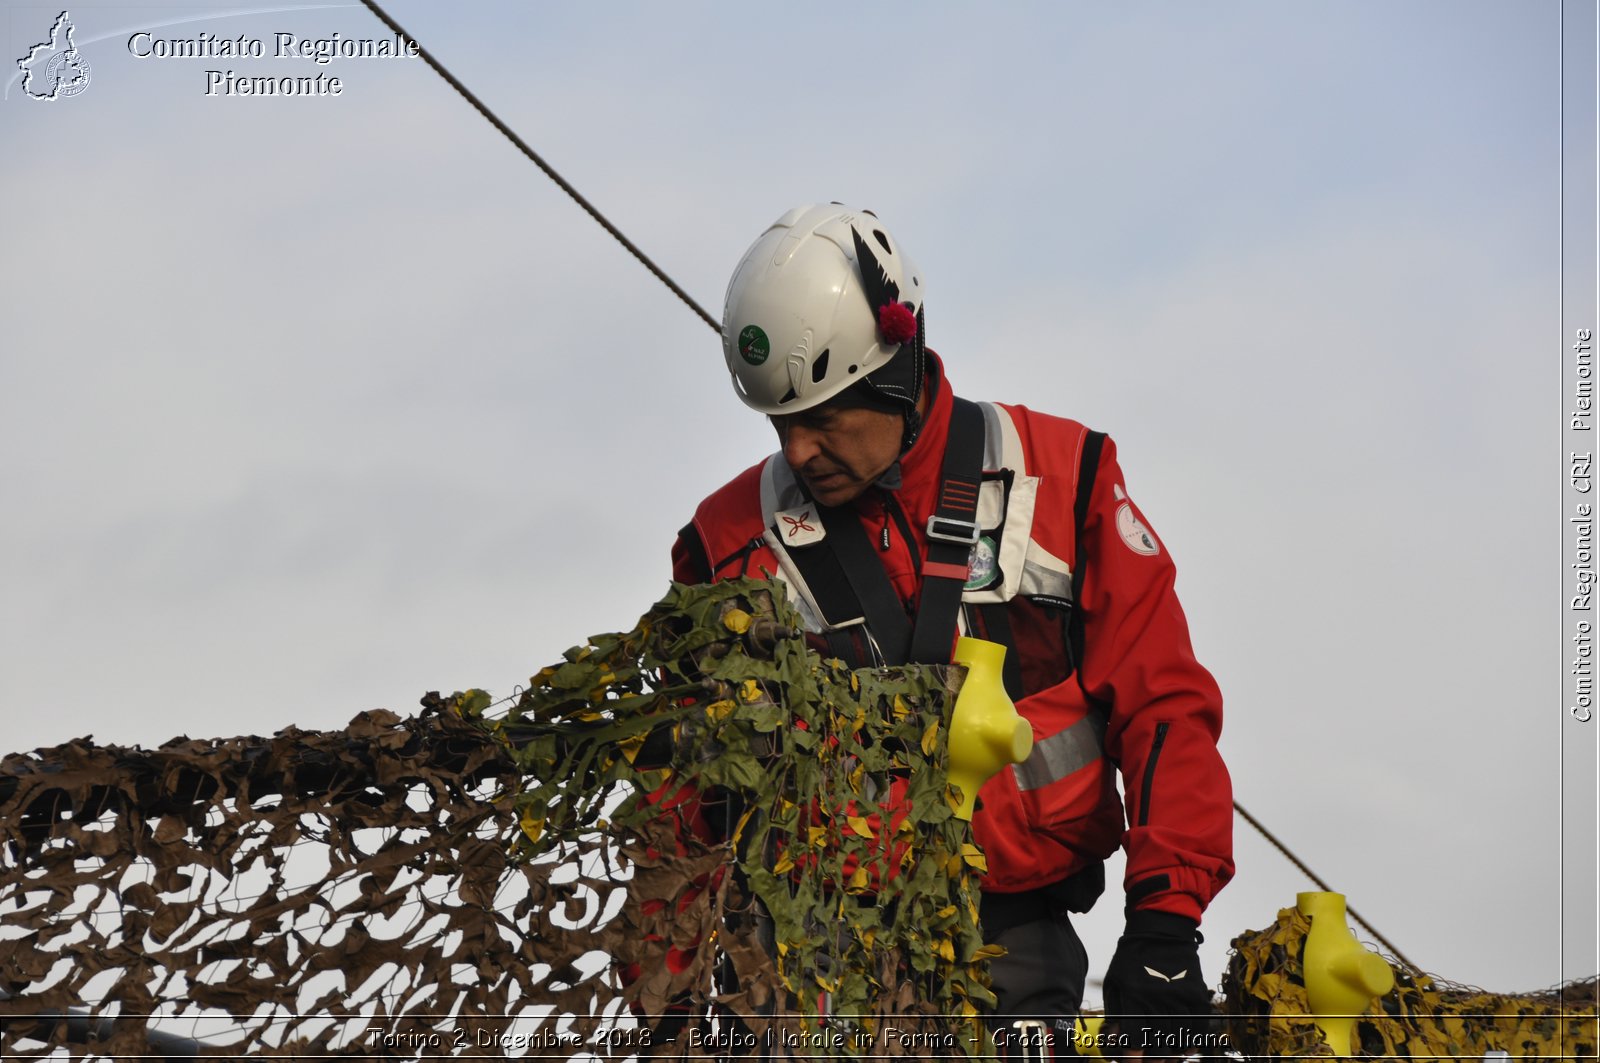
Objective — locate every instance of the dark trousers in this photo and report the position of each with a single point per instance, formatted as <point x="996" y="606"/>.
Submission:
<point x="1039" y="981"/>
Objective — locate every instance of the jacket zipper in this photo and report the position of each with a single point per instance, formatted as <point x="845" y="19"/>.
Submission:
<point x="891" y="508"/>
<point x="1150" y="774"/>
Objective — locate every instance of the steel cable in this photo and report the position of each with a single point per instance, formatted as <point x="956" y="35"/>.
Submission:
<point x="538" y="161"/>
<point x="1312" y="875"/>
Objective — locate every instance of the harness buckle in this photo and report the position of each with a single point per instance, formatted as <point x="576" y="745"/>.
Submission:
<point x="952" y="530"/>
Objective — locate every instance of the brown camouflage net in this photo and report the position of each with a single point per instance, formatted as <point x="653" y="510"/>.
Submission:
<point x="1264" y="998"/>
<point x="473" y="885"/>
<point x="460" y="884"/>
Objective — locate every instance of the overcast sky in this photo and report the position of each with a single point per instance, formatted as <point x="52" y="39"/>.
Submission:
<point x="312" y="405"/>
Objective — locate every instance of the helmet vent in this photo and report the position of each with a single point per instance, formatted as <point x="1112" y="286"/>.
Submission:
<point x="882" y="240"/>
<point x="788" y="396"/>
<point x="819" y="368"/>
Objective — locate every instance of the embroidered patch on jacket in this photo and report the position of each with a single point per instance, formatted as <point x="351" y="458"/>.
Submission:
<point x="982" y="564"/>
<point x="1140" y="539"/>
<point x="800" y="526"/>
<point x="1134" y="533"/>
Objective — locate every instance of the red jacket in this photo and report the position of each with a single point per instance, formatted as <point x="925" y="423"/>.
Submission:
<point x="1158" y="712"/>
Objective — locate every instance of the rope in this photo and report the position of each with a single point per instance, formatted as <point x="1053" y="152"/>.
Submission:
<point x="549" y="171"/>
<point x="660" y="275"/>
<point x="1312" y="875"/>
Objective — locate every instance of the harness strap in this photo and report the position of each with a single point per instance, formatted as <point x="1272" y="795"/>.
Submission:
<point x="856" y="572"/>
<point x="830" y="588"/>
<point x="847" y="581"/>
<point x="741" y="555"/>
<point x="952" y="531"/>
<point x="1088" y="467"/>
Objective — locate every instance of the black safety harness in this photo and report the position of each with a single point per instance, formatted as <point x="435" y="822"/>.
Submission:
<point x="849" y="585"/>
<point x="853" y="594"/>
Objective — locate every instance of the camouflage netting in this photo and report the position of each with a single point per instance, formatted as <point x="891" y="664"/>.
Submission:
<point x="463" y="884"/>
<point x="677" y="821"/>
<point x="1421" y="1018"/>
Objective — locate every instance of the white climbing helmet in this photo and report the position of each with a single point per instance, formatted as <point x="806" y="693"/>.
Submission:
<point x="802" y="322"/>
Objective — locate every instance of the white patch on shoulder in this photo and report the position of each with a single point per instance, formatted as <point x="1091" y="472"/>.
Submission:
<point x="800" y="526"/>
<point x="1133" y="531"/>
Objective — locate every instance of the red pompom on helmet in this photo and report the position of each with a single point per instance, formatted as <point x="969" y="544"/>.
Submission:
<point x="896" y="323"/>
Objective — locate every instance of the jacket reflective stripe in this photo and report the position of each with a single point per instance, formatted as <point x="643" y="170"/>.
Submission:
<point x="1061" y="754"/>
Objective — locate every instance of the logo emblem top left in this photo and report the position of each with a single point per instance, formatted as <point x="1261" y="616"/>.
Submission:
<point x="54" y="69"/>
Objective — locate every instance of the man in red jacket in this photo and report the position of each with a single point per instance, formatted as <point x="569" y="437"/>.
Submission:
<point x="897" y="516"/>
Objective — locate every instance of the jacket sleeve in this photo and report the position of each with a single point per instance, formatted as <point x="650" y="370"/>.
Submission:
<point x="1165" y="707"/>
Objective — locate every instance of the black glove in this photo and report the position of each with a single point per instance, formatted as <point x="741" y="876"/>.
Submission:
<point x="1156" y="997"/>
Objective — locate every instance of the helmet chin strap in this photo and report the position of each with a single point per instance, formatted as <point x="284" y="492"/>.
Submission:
<point x="919" y="370"/>
<point x="896" y="387"/>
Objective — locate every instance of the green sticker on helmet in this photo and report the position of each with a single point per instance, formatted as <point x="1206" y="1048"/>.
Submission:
<point x="753" y="345"/>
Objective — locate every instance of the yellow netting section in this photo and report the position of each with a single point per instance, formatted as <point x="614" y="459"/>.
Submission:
<point x="1421" y="1018"/>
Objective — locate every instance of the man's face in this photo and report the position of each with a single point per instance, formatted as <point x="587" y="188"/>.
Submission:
<point x="839" y="453"/>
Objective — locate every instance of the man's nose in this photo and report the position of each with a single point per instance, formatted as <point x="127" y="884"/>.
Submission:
<point x="799" y="444"/>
